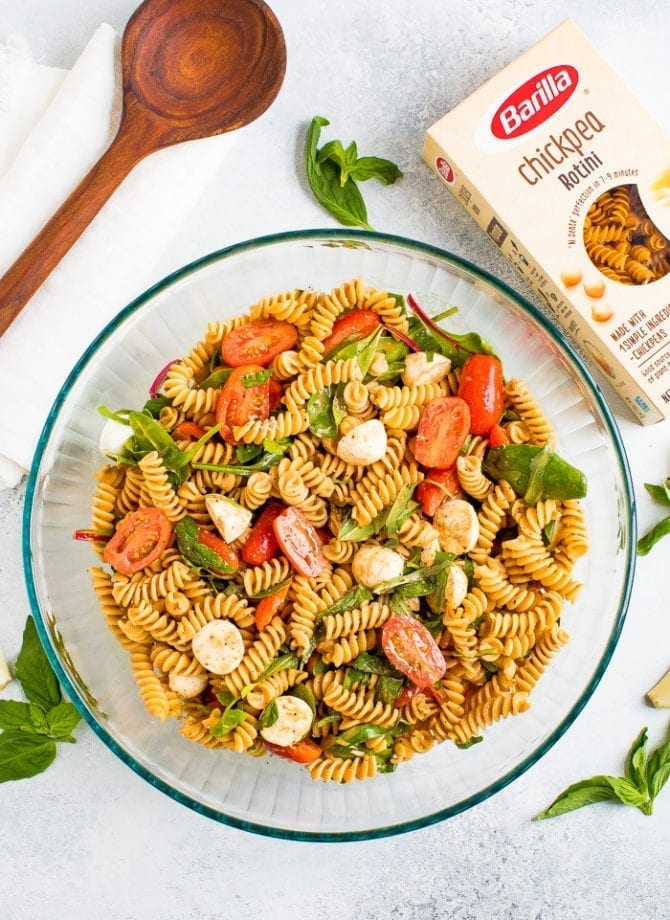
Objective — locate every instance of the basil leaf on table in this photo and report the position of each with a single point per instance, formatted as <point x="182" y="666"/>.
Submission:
<point x="34" y="672"/>
<point x="645" y="778"/>
<point x="646" y="543"/>
<point x="660" y="493"/>
<point x="30" y="730"/>
<point x="332" y="172"/>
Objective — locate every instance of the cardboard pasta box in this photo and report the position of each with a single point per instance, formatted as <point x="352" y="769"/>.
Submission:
<point x="569" y="176"/>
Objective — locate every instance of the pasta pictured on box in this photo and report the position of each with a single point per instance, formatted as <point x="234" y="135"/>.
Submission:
<point x="568" y="174"/>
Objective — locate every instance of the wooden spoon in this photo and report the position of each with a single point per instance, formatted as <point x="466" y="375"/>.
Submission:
<point x="191" y="69"/>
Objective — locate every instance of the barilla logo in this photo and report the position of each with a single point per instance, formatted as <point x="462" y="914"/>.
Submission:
<point x="534" y="101"/>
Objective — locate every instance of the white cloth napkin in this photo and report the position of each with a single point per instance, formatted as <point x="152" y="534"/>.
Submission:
<point x="54" y="126"/>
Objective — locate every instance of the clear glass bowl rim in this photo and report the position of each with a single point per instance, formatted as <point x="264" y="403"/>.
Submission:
<point x="321" y="235"/>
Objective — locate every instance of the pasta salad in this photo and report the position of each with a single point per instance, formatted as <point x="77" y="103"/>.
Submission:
<point x="335" y="533"/>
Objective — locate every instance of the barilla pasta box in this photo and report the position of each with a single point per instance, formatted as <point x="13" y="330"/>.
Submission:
<point x="570" y="177"/>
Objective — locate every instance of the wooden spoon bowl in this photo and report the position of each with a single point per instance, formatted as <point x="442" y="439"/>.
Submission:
<point x="191" y="69"/>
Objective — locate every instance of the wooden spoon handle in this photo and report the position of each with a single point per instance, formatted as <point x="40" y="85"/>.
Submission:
<point x="40" y="257"/>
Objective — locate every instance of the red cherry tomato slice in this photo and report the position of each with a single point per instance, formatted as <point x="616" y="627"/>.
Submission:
<point x="355" y="324"/>
<point x="138" y="540"/>
<point x="188" y="431"/>
<point x="498" y="436"/>
<point x="269" y="607"/>
<point x="238" y="404"/>
<point x="300" y="542"/>
<point x="443" y="427"/>
<point x="220" y="547"/>
<point x="306" y="751"/>
<point x="435" y="488"/>
<point x="259" y="342"/>
<point x="412" y="650"/>
<point x="262" y="545"/>
<point x="276" y="391"/>
<point x="481" y="386"/>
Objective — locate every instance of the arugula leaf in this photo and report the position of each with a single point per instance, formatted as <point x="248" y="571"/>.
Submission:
<point x="23" y="755"/>
<point x="230" y="719"/>
<point x="420" y="574"/>
<point x="248" y="452"/>
<point x="398" y="512"/>
<point x="283" y="663"/>
<point x="320" y="414"/>
<point x="154" y="405"/>
<point x="149" y="436"/>
<point x="353" y="677"/>
<point x="305" y="694"/>
<point x="34" y="671"/>
<point x="388" y="689"/>
<point x="374" y="664"/>
<point x="333" y="170"/>
<point x="349" y="601"/>
<point x="476" y="739"/>
<point x="216" y="379"/>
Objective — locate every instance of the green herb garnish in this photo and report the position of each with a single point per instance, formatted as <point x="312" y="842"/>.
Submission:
<point x="660" y="493"/>
<point x="30" y="731"/>
<point x="332" y="173"/>
<point x="644" y="778"/>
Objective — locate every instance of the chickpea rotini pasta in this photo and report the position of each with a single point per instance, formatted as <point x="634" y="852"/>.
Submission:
<point x="321" y="544"/>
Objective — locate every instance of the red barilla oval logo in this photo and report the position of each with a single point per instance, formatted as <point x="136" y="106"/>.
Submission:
<point x="444" y="170"/>
<point x="534" y="101"/>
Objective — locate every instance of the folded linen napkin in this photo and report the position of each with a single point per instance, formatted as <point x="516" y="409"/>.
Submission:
<point x="54" y="126"/>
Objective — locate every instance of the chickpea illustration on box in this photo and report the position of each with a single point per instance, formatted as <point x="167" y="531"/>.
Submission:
<point x="335" y="533"/>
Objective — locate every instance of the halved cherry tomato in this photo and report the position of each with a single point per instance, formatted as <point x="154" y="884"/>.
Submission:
<point x="138" y="540"/>
<point x="412" y="650"/>
<point x="443" y="427"/>
<point x="221" y="548"/>
<point x="269" y="606"/>
<point x="481" y="386"/>
<point x="259" y="342"/>
<point x="435" y="488"/>
<point x="238" y="404"/>
<point x="498" y="436"/>
<point x="324" y="535"/>
<point x="188" y="431"/>
<point x="306" y="751"/>
<point x="300" y="542"/>
<point x="262" y="545"/>
<point x="276" y="391"/>
<point x="355" y="324"/>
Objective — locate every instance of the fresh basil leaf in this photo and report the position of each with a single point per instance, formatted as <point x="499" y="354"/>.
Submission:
<point x="349" y="601"/>
<point x="646" y="543"/>
<point x="344" y="202"/>
<point x="150" y="436"/>
<point x="353" y="347"/>
<point x="345" y="159"/>
<point x="537" y="466"/>
<point x="658" y="768"/>
<point x="327" y="720"/>
<point x="660" y="493"/>
<point x="248" y="452"/>
<point x="399" y="606"/>
<point x="62" y="721"/>
<point x="374" y="664"/>
<point x="17" y="716"/>
<point x="359" y="734"/>
<point x="368" y="351"/>
<point x="154" y="405"/>
<point x="226" y="698"/>
<point x="269" y="715"/>
<point x="266" y="592"/>
<point x="305" y="694"/>
<point x="229" y="720"/>
<point x="353" y="677"/>
<point x="548" y="532"/>
<point x="23" y="755"/>
<point x="636" y="765"/>
<point x="34" y="671"/>
<point x="203" y="439"/>
<point x="456" y="347"/>
<point x="254" y="380"/>
<point x="352" y="531"/>
<point x="397" y="513"/>
<point x="476" y="739"/>
<point x="320" y="667"/>
<point x="375" y="168"/>
<point x="420" y="574"/>
<point x="120" y="416"/>
<point x="339" y="407"/>
<point x="194" y="552"/>
<point x="216" y="379"/>
<point x="589" y="791"/>
<point x="320" y="414"/>
<point x="388" y="689"/>
<point x="283" y="663"/>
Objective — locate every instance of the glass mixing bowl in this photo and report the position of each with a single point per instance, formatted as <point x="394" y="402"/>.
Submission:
<point x="268" y="795"/>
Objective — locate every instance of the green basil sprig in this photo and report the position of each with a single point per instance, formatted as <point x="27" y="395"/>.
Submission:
<point x="31" y="730"/>
<point x="645" y="776"/>
<point x="332" y="173"/>
<point x="325" y="410"/>
<point x="194" y="552"/>
<point x="660" y="493"/>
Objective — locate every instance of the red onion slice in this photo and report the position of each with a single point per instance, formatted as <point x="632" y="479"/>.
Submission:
<point x="90" y="536"/>
<point x="155" y="387"/>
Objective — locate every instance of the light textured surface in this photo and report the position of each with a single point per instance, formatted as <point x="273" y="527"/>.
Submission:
<point x="89" y="838"/>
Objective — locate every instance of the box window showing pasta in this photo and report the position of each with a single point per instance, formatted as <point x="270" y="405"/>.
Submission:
<point x="569" y="176"/>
